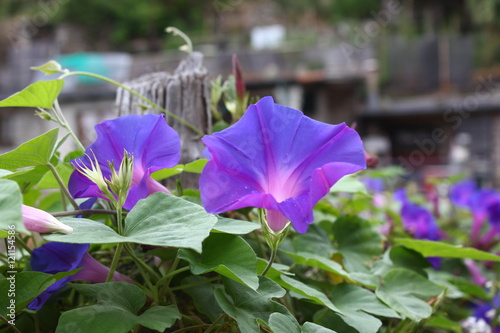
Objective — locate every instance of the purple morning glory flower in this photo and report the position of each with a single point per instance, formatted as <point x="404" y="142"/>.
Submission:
<point x="478" y="205"/>
<point x="153" y="144"/>
<point x="461" y="192"/>
<point x="482" y="320"/>
<point x="419" y="222"/>
<point x="277" y="159"/>
<point x="56" y="257"/>
<point x="493" y="210"/>
<point x="374" y="185"/>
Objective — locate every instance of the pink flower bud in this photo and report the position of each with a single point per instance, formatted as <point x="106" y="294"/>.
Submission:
<point x="40" y="221"/>
<point x="238" y="77"/>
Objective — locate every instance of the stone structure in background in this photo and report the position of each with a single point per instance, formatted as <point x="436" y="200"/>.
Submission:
<point x="184" y="93"/>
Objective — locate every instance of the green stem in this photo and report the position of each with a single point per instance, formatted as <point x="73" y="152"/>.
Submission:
<point x="141" y="263"/>
<point x="260" y="244"/>
<point x="62" y="186"/>
<point x="167" y="278"/>
<point x="87" y="212"/>
<point x="151" y="103"/>
<point x="119" y="219"/>
<point x="190" y="328"/>
<point x="37" y="323"/>
<point x="64" y="123"/>
<point x="271" y="260"/>
<point x="211" y="327"/>
<point x="177" y="32"/>
<point x="14" y="329"/>
<point x="20" y="241"/>
<point x="4" y="261"/>
<point x="114" y="263"/>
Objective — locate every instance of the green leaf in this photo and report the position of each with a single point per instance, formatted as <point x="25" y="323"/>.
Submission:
<point x="349" y="184"/>
<point x="28" y="177"/>
<point x="159" y="318"/>
<point x="10" y="206"/>
<point x="275" y="271"/>
<point x="403" y="290"/>
<point x="236" y="227"/>
<point x="49" y="181"/>
<point x="160" y="219"/>
<point x="167" y="172"/>
<point x="358" y="242"/>
<point x="310" y="293"/>
<point x="4" y="173"/>
<point x="282" y="323"/>
<point x="27" y="286"/>
<point x="444" y="323"/>
<point x="116" y="311"/>
<point x="439" y="249"/>
<point x="203" y="296"/>
<point x="49" y="68"/>
<point x="358" y="304"/>
<point x="401" y="257"/>
<point x="228" y="255"/>
<point x="87" y="231"/>
<point x="165" y="220"/>
<point x="313" y="260"/>
<point x="248" y="306"/>
<point x="37" y="151"/>
<point x="316" y="240"/>
<point x="195" y="166"/>
<point x="40" y="94"/>
<point x="315" y="328"/>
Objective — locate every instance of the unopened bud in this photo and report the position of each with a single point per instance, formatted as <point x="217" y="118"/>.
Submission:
<point x="121" y="181"/>
<point x="35" y="219"/>
<point x="43" y="114"/>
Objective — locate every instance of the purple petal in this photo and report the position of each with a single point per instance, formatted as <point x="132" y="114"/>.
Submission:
<point x="154" y="144"/>
<point x="145" y="187"/>
<point x="493" y="209"/>
<point x="461" y="192"/>
<point x="275" y="158"/>
<point x="56" y="257"/>
<point x="419" y="222"/>
<point x="95" y="272"/>
<point x="479" y="202"/>
<point x="53" y="258"/>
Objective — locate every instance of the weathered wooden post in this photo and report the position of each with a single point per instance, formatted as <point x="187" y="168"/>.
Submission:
<point x="185" y="93"/>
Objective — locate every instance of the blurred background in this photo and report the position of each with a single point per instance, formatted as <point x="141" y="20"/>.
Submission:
<point x="421" y="79"/>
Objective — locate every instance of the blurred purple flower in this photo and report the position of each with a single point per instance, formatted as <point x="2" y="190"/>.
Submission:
<point x="280" y="160"/>
<point x="483" y="316"/>
<point x="478" y="204"/>
<point x="419" y="222"/>
<point x="477" y="277"/>
<point x="374" y="185"/>
<point x="400" y="195"/>
<point x="153" y="143"/>
<point x="53" y="257"/>
<point x="461" y="192"/>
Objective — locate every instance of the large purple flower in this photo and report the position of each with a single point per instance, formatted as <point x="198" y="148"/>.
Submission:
<point x="153" y="143"/>
<point x="55" y="257"/>
<point x="280" y="160"/>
